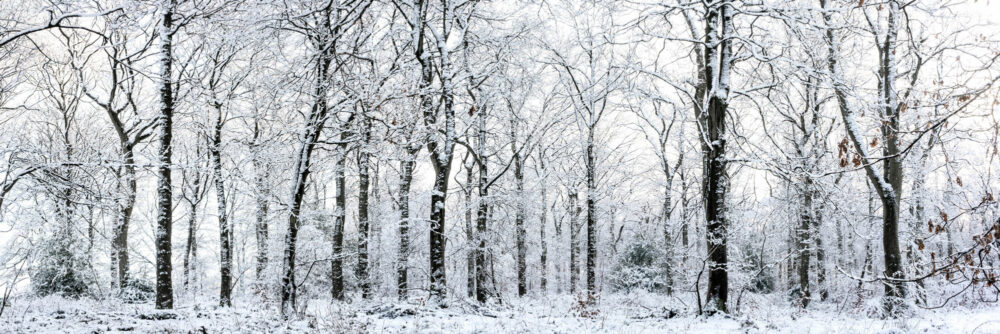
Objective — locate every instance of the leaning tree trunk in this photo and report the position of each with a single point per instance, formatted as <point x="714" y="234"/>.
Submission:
<point x="888" y="185"/>
<point x="164" y="218"/>
<point x="310" y="137"/>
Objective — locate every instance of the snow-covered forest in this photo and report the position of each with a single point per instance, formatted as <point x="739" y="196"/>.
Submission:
<point x="499" y="166"/>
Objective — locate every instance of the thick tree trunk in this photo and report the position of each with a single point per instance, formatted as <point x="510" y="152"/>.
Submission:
<point x="716" y="181"/>
<point x="164" y="218"/>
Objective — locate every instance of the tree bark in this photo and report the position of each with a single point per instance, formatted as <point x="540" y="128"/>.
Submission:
<point x="164" y="218"/>
<point x="340" y="211"/>
<point x="574" y="242"/>
<point x="405" y="179"/>
<point x="225" y="230"/>
<point x="363" y="223"/>
<point x="716" y="181"/>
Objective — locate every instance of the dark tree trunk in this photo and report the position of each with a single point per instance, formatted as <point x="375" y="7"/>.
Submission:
<point x="191" y="247"/>
<point x="337" y="263"/>
<point x="574" y="242"/>
<point x="591" y="216"/>
<point x="260" y="225"/>
<point x="314" y="126"/>
<point x="363" y="223"/>
<point x="888" y="185"/>
<point x="470" y="235"/>
<point x="542" y="221"/>
<point x="405" y="179"/>
<point x="225" y="230"/>
<point x="804" y="237"/>
<point x="119" y="247"/>
<point x="716" y="181"/>
<point x="522" y="287"/>
<point x="164" y="218"/>
<point x="482" y="215"/>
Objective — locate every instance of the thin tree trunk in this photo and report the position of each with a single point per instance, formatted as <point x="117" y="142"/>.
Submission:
<point x="260" y="225"/>
<point x="574" y="243"/>
<point x="363" y="223"/>
<point x="542" y="221"/>
<point x="522" y="269"/>
<point x="591" y="216"/>
<point x="191" y="247"/>
<point x="313" y="128"/>
<point x="337" y="263"/>
<point x="225" y="230"/>
<point x="405" y="179"/>
<point x="470" y="235"/>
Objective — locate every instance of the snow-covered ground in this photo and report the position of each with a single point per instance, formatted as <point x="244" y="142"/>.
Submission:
<point x="559" y="314"/>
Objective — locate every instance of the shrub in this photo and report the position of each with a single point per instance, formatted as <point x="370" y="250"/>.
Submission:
<point x="640" y="266"/>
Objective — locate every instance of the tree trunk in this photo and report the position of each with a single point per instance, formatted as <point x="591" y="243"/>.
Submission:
<point x="191" y="247"/>
<point x="591" y="216"/>
<point x="314" y="126"/>
<point x="482" y="212"/>
<point x="574" y="243"/>
<point x="888" y="185"/>
<point x="164" y="218"/>
<point x="405" y="179"/>
<point x="225" y="230"/>
<point x="363" y="223"/>
<point x="470" y="235"/>
<point x="119" y="247"/>
<point x="260" y="226"/>
<point x="804" y="237"/>
<point x="337" y="262"/>
<point x="542" y="220"/>
<point x="522" y="287"/>
<point x="716" y="182"/>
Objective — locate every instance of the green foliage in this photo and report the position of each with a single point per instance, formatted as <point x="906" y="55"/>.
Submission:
<point x="137" y="291"/>
<point x="640" y="267"/>
<point x="61" y="271"/>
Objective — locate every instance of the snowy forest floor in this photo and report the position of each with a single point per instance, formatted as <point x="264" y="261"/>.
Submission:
<point x="635" y="313"/>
